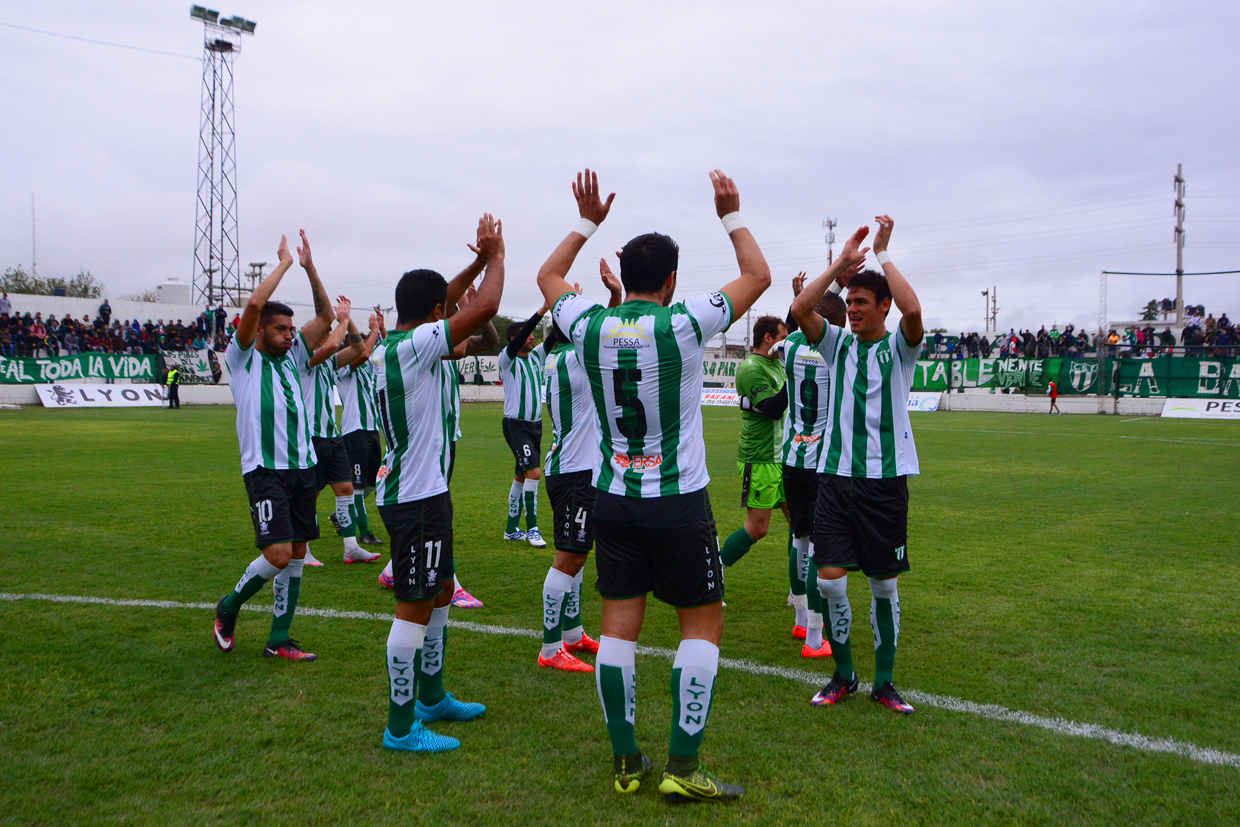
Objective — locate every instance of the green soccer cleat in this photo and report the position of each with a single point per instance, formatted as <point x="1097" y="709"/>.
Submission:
<point x="699" y="785"/>
<point x="631" y="771"/>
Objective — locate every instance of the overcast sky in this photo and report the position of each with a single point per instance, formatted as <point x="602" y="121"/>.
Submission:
<point x="1023" y="146"/>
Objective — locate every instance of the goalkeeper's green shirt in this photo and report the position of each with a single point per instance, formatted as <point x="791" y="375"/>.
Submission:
<point x="759" y="377"/>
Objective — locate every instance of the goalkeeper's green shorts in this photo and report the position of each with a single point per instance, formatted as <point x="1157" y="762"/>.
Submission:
<point x="762" y="484"/>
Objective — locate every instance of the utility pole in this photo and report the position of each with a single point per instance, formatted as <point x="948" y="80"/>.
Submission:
<point x="994" y="308"/>
<point x="1179" y="246"/>
<point x="986" y="311"/>
<point x="829" y="225"/>
<point x="34" y="267"/>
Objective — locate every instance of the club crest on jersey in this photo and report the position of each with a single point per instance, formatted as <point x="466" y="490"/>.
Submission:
<point x="884" y="356"/>
<point x="627" y="334"/>
<point x="638" y="462"/>
<point x="717" y="299"/>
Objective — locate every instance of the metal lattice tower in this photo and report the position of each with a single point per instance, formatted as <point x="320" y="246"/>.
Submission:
<point x="217" y="271"/>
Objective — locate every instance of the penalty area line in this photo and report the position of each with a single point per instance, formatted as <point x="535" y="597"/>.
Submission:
<point x="994" y="712"/>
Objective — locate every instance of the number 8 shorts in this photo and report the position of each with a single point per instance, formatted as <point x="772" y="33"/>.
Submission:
<point x="282" y="505"/>
<point x="572" y="504"/>
<point x="421" y="533"/>
<point x="525" y="440"/>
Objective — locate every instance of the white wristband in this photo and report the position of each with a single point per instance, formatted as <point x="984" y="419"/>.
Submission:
<point x="835" y="288"/>
<point x="733" y="221"/>
<point x="586" y="227"/>
<point x="883" y="258"/>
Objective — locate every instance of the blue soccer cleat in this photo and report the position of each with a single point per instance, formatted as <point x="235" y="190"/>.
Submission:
<point x="449" y="709"/>
<point x="419" y="739"/>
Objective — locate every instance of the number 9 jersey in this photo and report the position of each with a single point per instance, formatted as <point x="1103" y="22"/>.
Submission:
<point x="644" y="363"/>
<point x="809" y="398"/>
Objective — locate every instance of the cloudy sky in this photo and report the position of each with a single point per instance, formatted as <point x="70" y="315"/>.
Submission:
<point x="1023" y="146"/>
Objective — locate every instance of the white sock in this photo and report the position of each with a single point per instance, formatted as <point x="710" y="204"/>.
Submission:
<point x="403" y="644"/>
<point x="388" y="568"/>
<point x="801" y="603"/>
<point x="514" y="498"/>
<point x="456" y="584"/>
<point x="572" y="609"/>
<point x="837" y="608"/>
<point x="621" y="654"/>
<point x="350" y="545"/>
<point x="884" y="590"/>
<point x="342" y="511"/>
<point x="259" y="567"/>
<point x="556" y="587"/>
<point x="813" y="633"/>
<point x="698" y="662"/>
<point x="432" y="644"/>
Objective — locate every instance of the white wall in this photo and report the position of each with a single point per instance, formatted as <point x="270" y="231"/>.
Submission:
<point x="125" y="310"/>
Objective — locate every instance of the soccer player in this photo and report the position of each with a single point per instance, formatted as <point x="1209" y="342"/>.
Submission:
<point x="1053" y="390"/>
<point x="652" y="519"/>
<point x="277" y="456"/>
<point x="317" y="372"/>
<point x="359" y="421"/>
<point x="861" y="517"/>
<point x="413" y="498"/>
<point x="804" y="429"/>
<point x="760" y="385"/>
<point x="521" y="367"/>
<point x="572" y="467"/>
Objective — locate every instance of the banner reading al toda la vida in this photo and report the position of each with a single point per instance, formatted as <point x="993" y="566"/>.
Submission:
<point x="16" y="370"/>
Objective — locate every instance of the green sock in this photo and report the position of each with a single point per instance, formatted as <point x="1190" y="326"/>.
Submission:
<point x="514" y="508"/>
<point x="735" y="547"/>
<point x="286" y="588"/>
<point x="344" y="516"/>
<point x="256" y="576"/>
<point x="837" y="624"/>
<point x="430" y="677"/>
<point x="813" y="600"/>
<point x="531" y="509"/>
<point x="795" y="583"/>
<point x="616" y="678"/>
<point x="401" y="715"/>
<point x="693" y="688"/>
<point x="571" y="617"/>
<point x="885" y="618"/>
<point x="359" y="515"/>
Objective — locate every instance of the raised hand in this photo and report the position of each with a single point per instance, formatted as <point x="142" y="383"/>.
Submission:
<point x="590" y="204"/>
<point x="853" y="252"/>
<point x="374" y="323"/>
<point x="727" y="198"/>
<point x="490" y="238"/>
<point x="610" y="281"/>
<point x="853" y="269"/>
<point x="883" y="236"/>
<point x="577" y="287"/>
<point x="467" y="297"/>
<point x="282" y="253"/>
<point x="303" y="252"/>
<point x="343" y="306"/>
<point x="798" y="283"/>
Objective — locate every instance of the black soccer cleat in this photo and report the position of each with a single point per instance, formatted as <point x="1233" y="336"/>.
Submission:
<point x="890" y="698"/>
<point x="835" y="689"/>
<point x="369" y="539"/>
<point x="290" y="649"/>
<point x="225" y="627"/>
<point x="335" y="524"/>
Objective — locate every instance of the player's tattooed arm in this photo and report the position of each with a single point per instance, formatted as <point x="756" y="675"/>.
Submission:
<point x="553" y="275"/>
<point x="902" y="294"/>
<point x="368" y="348"/>
<point x="485" y="304"/>
<point x="314" y="330"/>
<point x="804" y="306"/>
<point x="354" y="344"/>
<point x="755" y="272"/>
<point x="247" y="328"/>
<point x="331" y="345"/>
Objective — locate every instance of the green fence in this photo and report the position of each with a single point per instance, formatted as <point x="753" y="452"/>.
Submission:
<point x="1164" y="376"/>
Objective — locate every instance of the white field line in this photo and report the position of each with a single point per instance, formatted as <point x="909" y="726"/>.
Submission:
<point x="1060" y="726"/>
<point x="1185" y="440"/>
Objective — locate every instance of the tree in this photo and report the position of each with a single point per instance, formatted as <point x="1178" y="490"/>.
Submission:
<point x="82" y="286"/>
<point x="144" y="296"/>
<point x="1150" y="313"/>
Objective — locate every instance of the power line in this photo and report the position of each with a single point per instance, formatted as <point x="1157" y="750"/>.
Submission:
<point x="1211" y="273"/>
<point x="98" y="42"/>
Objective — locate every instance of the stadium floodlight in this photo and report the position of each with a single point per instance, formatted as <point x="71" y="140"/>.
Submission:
<point x="231" y="22"/>
<point x="201" y="13"/>
<point x="247" y="26"/>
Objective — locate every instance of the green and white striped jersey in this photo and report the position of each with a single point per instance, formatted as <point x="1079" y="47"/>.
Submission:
<point x="809" y="402"/>
<point x="870" y="434"/>
<point x="272" y="427"/>
<point x="522" y="378"/>
<point x="411" y="388"/>
<point x="574" y="425"/>
<point x="359" y="412"/>
<point x="644" y="363"/>
<point x="317" y="384"/>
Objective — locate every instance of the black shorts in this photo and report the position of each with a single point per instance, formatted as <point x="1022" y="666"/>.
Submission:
<point x="525" y="440"/>
<point x="801" y="494"/>
<point x="421" y="533"/>
<point x="667" y="545"/>
<point x="282" y="505"/>
<point x="333" y="463"/>
<point x="365" y="457"/>
<point x="862" y="524"/>
<point x="572" y="507"/>
<point x="451" y="462"/>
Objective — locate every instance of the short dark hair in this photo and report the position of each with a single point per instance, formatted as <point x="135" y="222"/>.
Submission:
<point x="832" y="306"/>
<point x="646" y="262"/>
<point x="766" y="325"/>
<point x="273" y="309"/>
<point x="873" y="281"/>
<point x="513" y="329"/>
<point x="417" y="293"/>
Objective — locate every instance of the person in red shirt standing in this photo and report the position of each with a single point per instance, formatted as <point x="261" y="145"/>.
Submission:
<point x="1053" y="390"/>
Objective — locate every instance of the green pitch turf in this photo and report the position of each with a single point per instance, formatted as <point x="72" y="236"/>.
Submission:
<point x="1075" y="567"/>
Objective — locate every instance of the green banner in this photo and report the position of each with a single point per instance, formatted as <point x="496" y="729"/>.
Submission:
<point x="14" y="371"/>
<point x="1180" y="377"/>
<point x="949" y="374"/>
<point x="1172" y="376"/>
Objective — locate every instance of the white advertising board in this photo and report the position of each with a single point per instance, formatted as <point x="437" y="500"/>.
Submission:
<point x="1201" y="409"/>
<point x="924" y="401"/>
<point x="101" y="396"/>
<point x="720" y="396"/>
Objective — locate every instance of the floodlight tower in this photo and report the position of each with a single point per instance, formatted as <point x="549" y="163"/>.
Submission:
<point x="215" y="223"/>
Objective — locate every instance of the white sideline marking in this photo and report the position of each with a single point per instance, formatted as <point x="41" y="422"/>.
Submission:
<point x="1187" y="440"/>
<point x="1061" y="726"/>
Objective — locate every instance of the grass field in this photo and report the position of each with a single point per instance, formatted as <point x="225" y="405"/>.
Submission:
<point x="1082" y="568"/>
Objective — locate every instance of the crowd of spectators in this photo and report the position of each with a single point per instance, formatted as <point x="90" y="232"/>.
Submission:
<point x="33" y="336"/>
<point x="1068" y="343"/>
<point x="1201" y="337"/>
